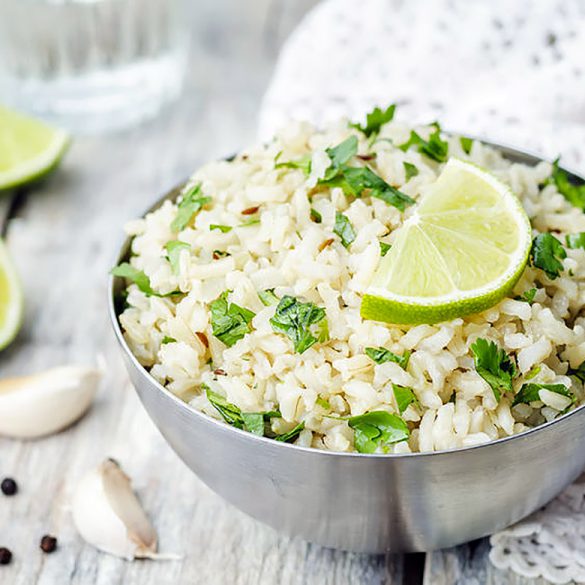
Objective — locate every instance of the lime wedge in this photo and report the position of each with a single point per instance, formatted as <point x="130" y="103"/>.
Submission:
<point x="461" y="252"/>
<point x="11" y="299"/>
<point x="29" y="148"/>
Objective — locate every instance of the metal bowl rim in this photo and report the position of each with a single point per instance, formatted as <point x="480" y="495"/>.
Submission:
<point x="507" y="151"/>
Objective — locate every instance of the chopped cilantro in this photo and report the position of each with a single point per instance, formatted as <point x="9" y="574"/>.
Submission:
<point x="528" y="296"/>
<point x="494" y="366"/>
<point x="344" y="229"/>
<point x="323" y="403"/>
<point x="251" y="221"/>
<point x="435" y="147"/>
<point x="173" y="249"/>
<point x="375" y="120"/>
<point x="303" y="163"/>
<point x="166" y="339"/>
<point x="267" y="297"/>
<point x="381" y="355"/>
<point x="575" y="240"/>
<point x="573" y="193"/>
<point x="404" y="397"/>
<point x="377" y="429"/>
<point x="341" y="153"/>
<point x="296" y="319"/>
<point x="532" y="373"/>
<point x="466" y="144"/>
<point x="579" y="372"/>
<point x="384" y="248"/>
<point x="190" y="204"/>
<point x="291" y="435"/>
<point x="139" y="278"/>
<point x="229" y="322"/>
<point x="222" y="228"/>
<point x="316" y="216"/>
<point x="410" y="170"/>
<point x="530" y="392"/>
<point x="547" y="254"/>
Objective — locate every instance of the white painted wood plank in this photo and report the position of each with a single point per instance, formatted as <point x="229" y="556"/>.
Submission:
<point x="66" y="236"/>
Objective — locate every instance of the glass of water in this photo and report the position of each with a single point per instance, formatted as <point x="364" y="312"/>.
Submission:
<point x="92" y="65"/>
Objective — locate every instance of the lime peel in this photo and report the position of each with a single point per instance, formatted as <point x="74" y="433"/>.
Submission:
<point x="461" y="252"/>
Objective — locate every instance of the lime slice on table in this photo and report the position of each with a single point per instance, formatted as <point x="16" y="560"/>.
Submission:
<point x="461" y="252"/>
<point x="29" y="148"/>
<point x="11" y="299"/>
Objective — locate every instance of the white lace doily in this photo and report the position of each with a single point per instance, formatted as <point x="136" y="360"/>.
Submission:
<point x="512" y="72"/>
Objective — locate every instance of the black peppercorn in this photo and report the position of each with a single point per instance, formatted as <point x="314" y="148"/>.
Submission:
<point x="8" y="486"/>
<point x="48" y="543"/>
<point x="5" y="556"/>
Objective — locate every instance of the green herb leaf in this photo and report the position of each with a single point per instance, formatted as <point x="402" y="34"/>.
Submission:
<point x="574" y="194"/>
<point x="303" y="163"/>
<point x="190" y="204"/>
<point x="254" y="422"/>
<point x="267" y="297"/>
<point x="126" y="270"/>
<point x="167" y="339"/>
<point x="375" y="120"/>
<point x="377" y="429"/>
<point x="384" y="248"/>
<point x="547" y="254"/>
<point x="254" y="220"/>
<point x="323" y="403"/>
<point x="291" y="435"/>
<point x="528" y="296"/>
<point x="410" y="170"/>
<point x="494" y="366"/>
<point x="578" y="372"/>
<point x="222" y="228"/>
<point x="530" y="392"/>
<point x="295" y="320"/>
<point x="341" y="153"/>
<point x="532" y="373"/>
<point x="434" y="147"/>
<point x="173" y="249"/>
<point x="466" y="144"/>
<point x="404" y="397"/>
<point x="229" y="322"/>
<point x="382" y="355"/>
<point x="316" y="216"/>
<point x="575" y="241"/>
<point x="344" y="229"/>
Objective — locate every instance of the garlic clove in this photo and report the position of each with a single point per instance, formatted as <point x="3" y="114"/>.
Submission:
<point x="109" y="516"/>
<point x="44" y="403"/>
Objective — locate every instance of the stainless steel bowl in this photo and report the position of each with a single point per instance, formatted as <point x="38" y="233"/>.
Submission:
<point x="367" y="503"/>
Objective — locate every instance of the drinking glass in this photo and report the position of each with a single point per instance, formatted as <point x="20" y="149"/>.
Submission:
<point x="91" y="65"/>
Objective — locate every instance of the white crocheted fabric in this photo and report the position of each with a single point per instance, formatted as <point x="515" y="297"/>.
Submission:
<point x="511" y="72"/>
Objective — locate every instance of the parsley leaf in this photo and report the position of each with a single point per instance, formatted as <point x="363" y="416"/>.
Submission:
<point x="253" y="422"/>
<point x="377" y="429"/>
<point x="295" y="319"/>
<point x="384" y="248"/>
<point x="434" y="147"/>
<point x="267" y="297"/>
<point x="404" y="397"/>
<point x="466" y="144"/>
<point x="375" y="120"/>
<point x="229" y="322"/>
<point x="344" y="229"/>
<point x="316" y="216"/>
<point x="530" y="392"/>
<point x="167" y="339"/>
<point x="382" y="355"/>
<point x="291" y="435"/>
<point x="190" y="204"/>
<point x="410" y="170"/>
<point x="575" y="241"/>
<point x="574" y="194"/>
<point x="528" y="296"/>
<point x="547" y="254"/>
<point x="493" y="365"/>
<point x="173" y="249"/>
<point x="222" y="228"/>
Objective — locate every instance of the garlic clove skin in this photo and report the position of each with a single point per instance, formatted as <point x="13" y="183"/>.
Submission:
<point x="109" y="516"/>
<point x="45" y="403"/>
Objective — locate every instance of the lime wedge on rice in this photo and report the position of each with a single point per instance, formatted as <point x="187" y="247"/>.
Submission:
<point x="29" y="149"/>
<point x="11" y="299"/>
<point x="461" y="252"/>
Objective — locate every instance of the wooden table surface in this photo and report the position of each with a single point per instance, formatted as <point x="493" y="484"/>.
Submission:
<point x="63" y="236"/>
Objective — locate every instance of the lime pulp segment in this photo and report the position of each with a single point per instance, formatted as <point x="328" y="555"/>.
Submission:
<point x="11" y="299"/>
<point x="461" y="252"/>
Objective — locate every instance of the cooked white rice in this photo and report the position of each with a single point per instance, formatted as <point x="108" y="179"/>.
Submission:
<point x="288" y="252"/>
